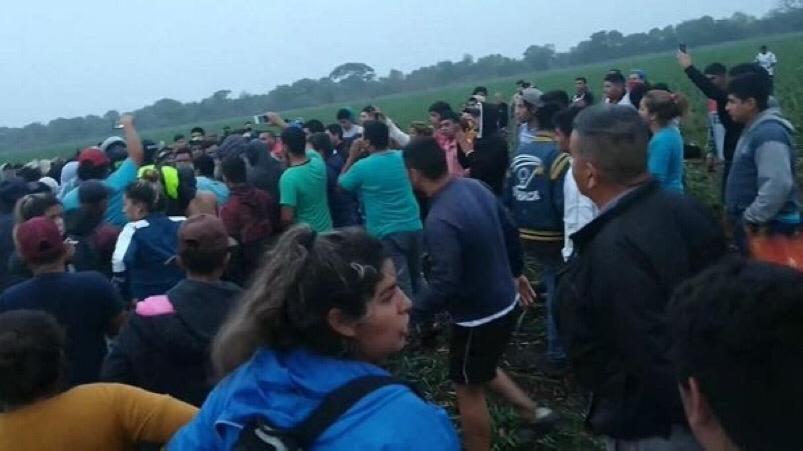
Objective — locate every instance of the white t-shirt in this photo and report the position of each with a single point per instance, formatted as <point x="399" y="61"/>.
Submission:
<point x="767" y="61"/>
<point x="352" y="132"/>
<point x="578" y="210"/>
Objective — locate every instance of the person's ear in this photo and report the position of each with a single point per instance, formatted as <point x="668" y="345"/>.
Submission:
<point x="341" y="323"/>
<point x="180" y="262"/>
<point x="592" y="176"/>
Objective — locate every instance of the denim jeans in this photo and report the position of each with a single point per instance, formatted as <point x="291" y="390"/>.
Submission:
<point x="405" y="250"/>
<point x="680" y="439"/>
<point x="550" y="258"/>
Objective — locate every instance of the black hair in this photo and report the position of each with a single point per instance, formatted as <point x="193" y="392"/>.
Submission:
<point x="295" y="140"/>
<point x="33" y="206"/>
<point x="614" y="138"/>
<point x="89" y="171"/>
<point x="558" y="96"/>
<point x="564" y="119"/>
<point x="755" y="85"/>
<point x="583" y="79"/>
<point x="377" y="134"/>
<point x="203" y="261"/>
<point x="234" y="169"/>
<point x="745" y="68"/>
<point x="30" y="173"/>
<point x="637" y="93"/>
<point x="198" y="130"/>
<point x="335" y="129"/>
<point x="480" y="90"/>
<point x="715" y="69"/>
<point x="178" y="137"/>
<point x="660" y="86"/>
<point x="322" y="143"/>
<point x="302" y="278"/>
<point x="369" y="109"/>
<point x="439" y="107"/>
<point x="181" y="150"/>
<point x="615" y="77"/>
<point x="205" y="165"/>
<point x="148" y="192"/>
<point x="553" y="102"/>
<point x="426" y="156"/>
<point x="255" y="150"/>
<point x="737" y="328"/>
<point x="344" y="113"/>
<point x="450" y="115"/>
<point x="314" y="126"/>
<point x="32" y="359"/>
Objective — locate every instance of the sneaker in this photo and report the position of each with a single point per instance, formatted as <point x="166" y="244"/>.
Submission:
<point x="546" y="420"/>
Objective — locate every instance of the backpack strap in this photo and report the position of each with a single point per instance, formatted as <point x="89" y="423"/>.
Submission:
<point x="337" y="403"/>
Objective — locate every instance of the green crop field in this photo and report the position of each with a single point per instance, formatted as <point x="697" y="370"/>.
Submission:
<point x="404" y="108"/>
<point x="426" y="367"/>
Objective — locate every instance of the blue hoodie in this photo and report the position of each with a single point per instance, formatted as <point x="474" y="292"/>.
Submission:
<point x="287" y="386"/>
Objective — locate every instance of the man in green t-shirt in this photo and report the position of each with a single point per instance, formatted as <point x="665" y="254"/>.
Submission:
<point x="302" y="187"/>
<point x="379" y="178"/>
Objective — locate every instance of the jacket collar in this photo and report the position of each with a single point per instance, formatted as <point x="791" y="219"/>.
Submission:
<point x="587" y="233"/>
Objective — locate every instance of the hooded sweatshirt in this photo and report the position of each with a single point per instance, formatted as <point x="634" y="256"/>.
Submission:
<point x="761" y="187"/>
<point x="164" y="346"/>
<point x="286" y="386"/>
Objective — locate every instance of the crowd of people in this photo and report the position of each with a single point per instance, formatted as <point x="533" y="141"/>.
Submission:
<point x="242" y="292"/>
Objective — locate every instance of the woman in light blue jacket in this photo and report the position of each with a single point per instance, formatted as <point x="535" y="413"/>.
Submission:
<point x="662" y="111"/>
<point x="323" y="312"/>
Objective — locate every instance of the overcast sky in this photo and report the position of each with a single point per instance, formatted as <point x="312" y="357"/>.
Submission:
<point x="73" y="58"/>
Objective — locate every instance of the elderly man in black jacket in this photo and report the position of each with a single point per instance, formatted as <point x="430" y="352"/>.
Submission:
<point x="613" y="293"/>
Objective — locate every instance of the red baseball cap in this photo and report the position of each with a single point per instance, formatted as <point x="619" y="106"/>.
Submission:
<point x="39" y="240"/>
<point x="94" y="156"/>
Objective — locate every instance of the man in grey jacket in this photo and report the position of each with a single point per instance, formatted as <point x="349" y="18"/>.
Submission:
<point x="761" y="191"/>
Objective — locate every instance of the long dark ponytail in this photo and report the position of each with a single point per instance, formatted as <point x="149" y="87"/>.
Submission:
<point x="301" y="280"/>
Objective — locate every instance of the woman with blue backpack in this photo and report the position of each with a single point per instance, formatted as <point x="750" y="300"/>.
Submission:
<point x="300" y="357"/>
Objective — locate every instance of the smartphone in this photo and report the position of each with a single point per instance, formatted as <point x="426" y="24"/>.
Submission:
<point x="260" y="119"/>
<point x="118" y="125"/>
<point x="682" y="47"/>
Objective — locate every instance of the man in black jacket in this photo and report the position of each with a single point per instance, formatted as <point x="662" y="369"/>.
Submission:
<point x="164" y="347"/>
<point x="612" y="296"/>
<point x="713" y="85"/>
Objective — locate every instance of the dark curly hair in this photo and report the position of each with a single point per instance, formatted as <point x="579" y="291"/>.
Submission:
<point x="737" y="328"/>
<point x="303" y="278"/>
<point x="32" y="360"/>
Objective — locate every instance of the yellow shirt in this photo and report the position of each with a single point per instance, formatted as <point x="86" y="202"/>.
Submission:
<point x="94" y="417"/>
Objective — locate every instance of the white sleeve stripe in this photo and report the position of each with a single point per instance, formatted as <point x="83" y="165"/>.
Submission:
<point x="120" y="249"/>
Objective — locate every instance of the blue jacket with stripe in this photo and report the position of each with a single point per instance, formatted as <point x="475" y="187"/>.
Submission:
<point x="144" y="259"/>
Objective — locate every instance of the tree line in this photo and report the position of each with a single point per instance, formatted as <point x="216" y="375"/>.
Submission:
<point x="353" y="80"/>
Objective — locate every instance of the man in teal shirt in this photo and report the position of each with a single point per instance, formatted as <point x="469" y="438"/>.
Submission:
<point x="93" y="164"/>
<point x="392" y="215"/>
<point x="302" y="187"/>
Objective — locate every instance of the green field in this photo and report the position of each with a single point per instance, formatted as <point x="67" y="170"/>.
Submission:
<point x="405" y="108"/>
<point x="427" y="367"/>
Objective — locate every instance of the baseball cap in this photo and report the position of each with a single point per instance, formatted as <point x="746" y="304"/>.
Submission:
<point x="92" y="192"/>
<point x="203" y="233"/>
<point x="39" y="240"/>
<point x="112" y="141"/>
<point x="93" y="156"/>
<point x="533" y="97"/>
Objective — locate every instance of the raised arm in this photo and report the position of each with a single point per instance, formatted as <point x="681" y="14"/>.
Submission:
<point x="134" y="145"/>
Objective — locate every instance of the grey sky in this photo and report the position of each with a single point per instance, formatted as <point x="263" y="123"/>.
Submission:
<point x="72" y="58"/>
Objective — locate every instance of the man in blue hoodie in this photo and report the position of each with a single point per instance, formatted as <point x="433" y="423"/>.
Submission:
<point x="476" y="270"/>
<point x="761" y="191"/>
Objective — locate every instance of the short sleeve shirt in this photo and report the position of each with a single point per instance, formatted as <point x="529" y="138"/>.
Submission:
<point x="117" y="181"/>
<point x="303" y="188"/>
<point x="380" y="181"/>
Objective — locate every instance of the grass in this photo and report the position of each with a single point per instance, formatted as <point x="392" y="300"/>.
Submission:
<point x="427" y="367"/>
<point x="404" y="108"/>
